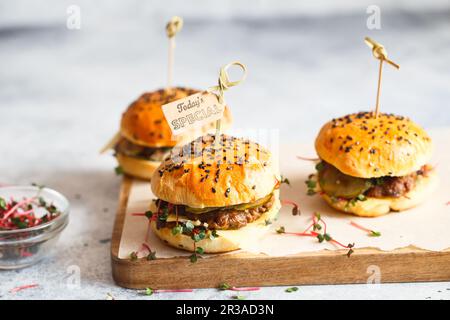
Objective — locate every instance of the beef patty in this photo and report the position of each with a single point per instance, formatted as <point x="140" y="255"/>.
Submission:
<point x="395" y="186"/>
<point x="130" y="149"/>
<point x="220" y="219"/>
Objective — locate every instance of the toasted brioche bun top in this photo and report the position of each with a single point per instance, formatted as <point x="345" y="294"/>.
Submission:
<point x="144" y="123"/>
<point x="361" y="145"/>
<point x="198" y="176"/>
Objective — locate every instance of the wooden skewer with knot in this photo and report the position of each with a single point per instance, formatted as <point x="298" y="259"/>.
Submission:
<point x="174" y="26"/>
<point x="379" y="52"/>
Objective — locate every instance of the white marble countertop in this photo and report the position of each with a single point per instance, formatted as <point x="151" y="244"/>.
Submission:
<point x="62" y="93"/>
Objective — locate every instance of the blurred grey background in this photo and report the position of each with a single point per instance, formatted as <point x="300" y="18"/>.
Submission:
<point x="62" y="91"/>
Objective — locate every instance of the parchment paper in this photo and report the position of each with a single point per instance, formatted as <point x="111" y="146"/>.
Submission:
<point x="426" y="226"/>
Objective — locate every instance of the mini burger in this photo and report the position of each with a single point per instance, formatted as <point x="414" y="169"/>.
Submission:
<point x="370" y="166"/>
<point x="145" y="138"/>
<point x="214" y="196"/>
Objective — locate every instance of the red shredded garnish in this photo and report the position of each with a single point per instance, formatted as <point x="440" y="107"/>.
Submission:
<point x="21" y="214"/>
<point x="244" y="288"/>
<point x="8" y="213"/>
<point x="146" y="247"/>
<point x="315" y="234"/>
<point x="310" y="226"/>
<point x="448" y="203"/>
<point x="370" y="232"/>
<point x="339" y="244"/>
<point x="24" y="253"/>
<point x="316" y="219"/>
<point x="277" y="184"/>
<point x="20" y="288"/>
<point x="303" y="234"/>
<point x="142" y="214"/>
<point x="295" y="209"/>
<point x="173" y="290"/>
<point x="307" y="159"/>
<point x="359" y="226"/>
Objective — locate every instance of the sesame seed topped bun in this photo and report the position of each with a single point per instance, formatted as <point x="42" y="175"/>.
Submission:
<point x="363" y="146"/>
<point x="144" y="124"/>
<point x="198" y="175"/>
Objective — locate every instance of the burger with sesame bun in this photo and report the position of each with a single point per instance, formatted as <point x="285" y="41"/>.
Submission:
<point x="145" y="138"/>
<point x="371" y="165"/>
<point x="214" y="196"/>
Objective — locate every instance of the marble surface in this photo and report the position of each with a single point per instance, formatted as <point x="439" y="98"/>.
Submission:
<point x="62" y="93"/>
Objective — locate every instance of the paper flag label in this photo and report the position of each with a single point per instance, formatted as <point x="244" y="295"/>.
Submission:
<point x="192" y="112"/>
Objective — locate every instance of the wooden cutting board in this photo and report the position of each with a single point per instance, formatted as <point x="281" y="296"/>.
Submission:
<point x="322" y="267"/>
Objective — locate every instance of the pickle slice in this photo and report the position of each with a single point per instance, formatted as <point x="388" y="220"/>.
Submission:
<point x="201" y="210"/>
<point x="336" y="184"/>
<point x="242" y="206"/>
<point x="255" y="204"/>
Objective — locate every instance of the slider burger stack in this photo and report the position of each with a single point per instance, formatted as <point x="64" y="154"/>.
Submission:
<point x="370" y="166"/>
<point x="145" y="136"/>
<point x="214" y="196"/>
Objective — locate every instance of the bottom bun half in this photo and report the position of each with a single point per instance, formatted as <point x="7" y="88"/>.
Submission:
<point x="138" y="168"/>
<point x="374" y="207"/>
<point x="228" y="240"/>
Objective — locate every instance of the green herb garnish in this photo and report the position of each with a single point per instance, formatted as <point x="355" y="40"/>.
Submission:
<point x="133" y="256"/>
<point x="148" y="291"/>
<point x="177" y="230"/>
<point x="18" y="223"/>
<point x="281" y="230"/>
<point x="164" y="215"/>
<point x="118" y="170"/>
<point x="224" y="286"/>
<point x="2" y="204"/>
<point x="374" y="233"/>
<point x="39" y="186"/>
<point x="151" y="255"/>
<point x="199" y="250"/>
<point x="198" y="236"/>
<point x="149" y="214"/>
<point x="193" y="257"/>
<point x="319" y="166"/>
<point x="311" y="186"/>
<point x="352" y="202"/>
<point x="291" y="289"/>
<point x="285" y="180"/>
<point x="188" y="227"/>
<point x="213" y="234"/>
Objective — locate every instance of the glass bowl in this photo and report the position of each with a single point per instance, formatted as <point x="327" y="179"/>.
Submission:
<point x="24" y="247"/>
